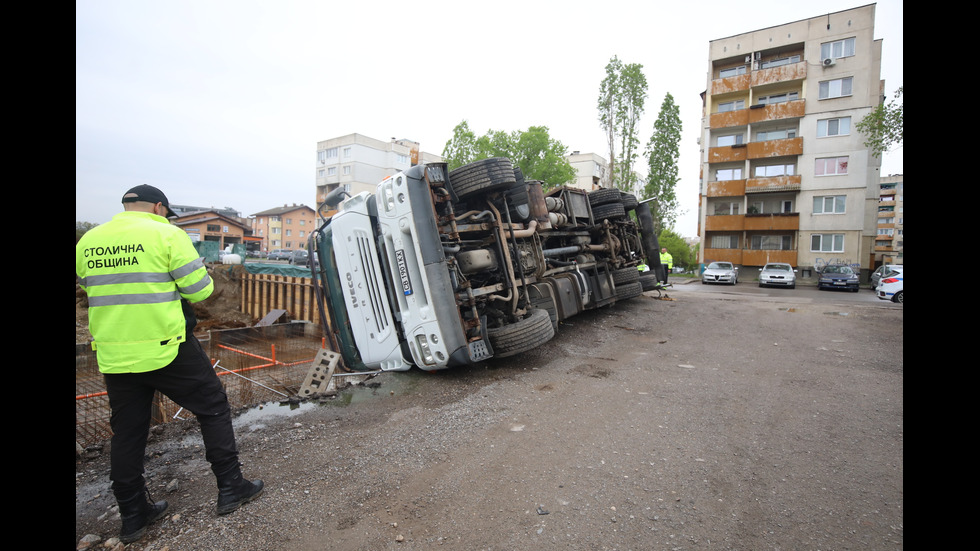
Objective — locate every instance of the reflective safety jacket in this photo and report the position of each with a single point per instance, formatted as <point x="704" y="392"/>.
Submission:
<point x="667" y="260"/>
<point x="135" y="269"/>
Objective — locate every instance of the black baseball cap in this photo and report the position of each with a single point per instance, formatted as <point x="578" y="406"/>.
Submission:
<point x="149" y="194"/>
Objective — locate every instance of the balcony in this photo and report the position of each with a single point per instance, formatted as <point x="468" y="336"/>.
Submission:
<point x="724" y="222"/>
<point x="726" y="188"/>
<point x="773" y="184"/>
<point x="777" y="111"/>
<point x="773" y="221"/>
<point x="728" y="85"/>
<point x="781" y="74"/>
<point x="775" y="148"/>
<point x="727" y="153"/>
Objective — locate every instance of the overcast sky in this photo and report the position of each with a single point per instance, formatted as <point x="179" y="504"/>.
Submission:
<point x="221" y="103"/>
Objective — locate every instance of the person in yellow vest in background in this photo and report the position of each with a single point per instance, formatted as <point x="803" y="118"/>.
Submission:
<point x="141" y="275"/>
<point x="666" y="261"/>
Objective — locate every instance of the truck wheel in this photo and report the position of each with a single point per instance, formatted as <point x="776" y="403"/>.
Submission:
<point x="608" y="210"/>
<point x="532" y="331"/>
<point x="625" y="275"/>
<point x="485" y="176"/>
<point x="627" y="291"/>
<point x="604" y="196"/>
<point x="649" y="282"/>
<point x="629" y="201"/>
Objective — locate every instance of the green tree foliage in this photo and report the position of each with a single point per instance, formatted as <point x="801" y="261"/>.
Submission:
<point x="533" y="151"/>
<point x="884" y="126"/>
<point x="622" y="94"/>
<point x="663" y="152"/>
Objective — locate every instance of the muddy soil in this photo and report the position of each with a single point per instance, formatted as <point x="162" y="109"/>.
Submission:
<point x="711" y="421"/>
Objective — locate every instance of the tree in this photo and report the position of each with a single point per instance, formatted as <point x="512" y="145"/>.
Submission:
<point x="81" y="228"/>
<point x="884" y="126"/>
<point x="663" y="152"/>
<point x="533" y="151"/>
<point x="461" y="149"/>
<point x="622" y="94"/>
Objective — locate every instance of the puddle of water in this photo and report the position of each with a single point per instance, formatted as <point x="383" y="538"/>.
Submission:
<point x="377" y="387"/>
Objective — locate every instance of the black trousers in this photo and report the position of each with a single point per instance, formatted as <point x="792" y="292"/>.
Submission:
<point x="190" y="381"/>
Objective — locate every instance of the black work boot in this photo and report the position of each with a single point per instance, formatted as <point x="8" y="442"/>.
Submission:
<point x="234" y="490"/>
<point x="137" y="513"/>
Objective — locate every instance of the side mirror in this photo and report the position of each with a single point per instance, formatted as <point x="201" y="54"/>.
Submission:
<point x="335" y="197"/>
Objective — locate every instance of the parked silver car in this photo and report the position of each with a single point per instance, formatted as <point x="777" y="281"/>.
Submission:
<point x="720" y="272"/>
<point x="777" y="274"/>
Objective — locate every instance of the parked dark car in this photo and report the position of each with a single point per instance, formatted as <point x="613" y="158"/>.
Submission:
<point x="838" y="277"/>
<point x="280" y="254"/>
<point x="300" y="257"/>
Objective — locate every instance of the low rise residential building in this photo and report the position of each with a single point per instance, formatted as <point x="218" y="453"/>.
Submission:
<point x="889" y="242"/>
<point x="285" y="227"/>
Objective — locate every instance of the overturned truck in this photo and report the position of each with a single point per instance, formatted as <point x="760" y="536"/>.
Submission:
<point x="442" y="268"/>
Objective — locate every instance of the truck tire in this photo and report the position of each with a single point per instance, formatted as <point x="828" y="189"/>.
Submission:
<point x="529" y="333"/>
<point x="608" y="211"/>
<point x="604" y="196"/>
<point x="649" y="282"/>
<point x="629" y="201"/>
<point x="651" y="244"/>
<point x="625" y="275"/>
<point x="627" y="291"/>
<point x="485" y="176"/>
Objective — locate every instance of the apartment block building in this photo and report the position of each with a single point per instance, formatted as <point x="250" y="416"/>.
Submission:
<point x="590" y="169"/>
<point x="358" y="163"/>
<point x="890" y="240"/>
<point x="285" y="227"/>
<point x="785" y="176"/>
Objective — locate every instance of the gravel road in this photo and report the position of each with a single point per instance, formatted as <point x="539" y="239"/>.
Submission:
<point x="712" y="421"/>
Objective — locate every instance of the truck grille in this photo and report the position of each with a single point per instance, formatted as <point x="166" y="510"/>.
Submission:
<point x="375" y="297"/>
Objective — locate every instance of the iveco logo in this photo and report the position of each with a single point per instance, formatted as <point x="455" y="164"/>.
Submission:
<point x="350" y="289"/>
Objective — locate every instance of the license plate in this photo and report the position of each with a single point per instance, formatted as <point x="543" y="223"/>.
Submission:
<point x="840" y="283"/>
<point x="403" y="272"/>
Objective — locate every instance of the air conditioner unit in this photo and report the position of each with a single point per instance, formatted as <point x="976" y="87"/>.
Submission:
<point x="829" y="62"/>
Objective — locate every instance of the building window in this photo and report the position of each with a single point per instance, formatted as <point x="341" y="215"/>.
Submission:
<point x="214" y="228"/>
<point x="401" y="159"/>
<point x="772" y="171"/>
<point x="827" y="243"/>
<point x="836" y="88"/>
<point x="727" y="106"/>
<point x="829" y="204"/>
<point x="347" y="153"/>
<point x="837" y="49"/>
<point x="733" y="72"/>
<point x="723" y="174"/>
<point x="346" y="171"/>
<point x="734" y="139"/>
<point x="332" y="171"/>
<point x="834" y="127"/>
<point x="722" y="209"/>
<point x="787" y="206"/>
<point x="779" y="98"/>
<point x="320" y="173"/>
<point x="830" y="166"/>
<point x="769" y="64"/>
<point x="330" y="153"/>
<point x="776" y="135"/>
<point x="724" y="242"/>
<point x="771" y="242"/>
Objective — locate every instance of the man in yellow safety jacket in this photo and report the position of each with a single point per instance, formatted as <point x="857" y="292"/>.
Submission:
<point x="666" y="261"/>
<point x="141" y="275"/>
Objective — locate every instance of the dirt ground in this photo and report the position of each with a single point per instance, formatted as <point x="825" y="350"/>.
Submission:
<point x="711" y="421"/>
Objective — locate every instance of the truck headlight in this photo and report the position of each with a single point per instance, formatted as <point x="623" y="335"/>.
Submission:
<point x="423" y="345"/>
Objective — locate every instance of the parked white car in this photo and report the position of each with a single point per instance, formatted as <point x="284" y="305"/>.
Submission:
<point x="892" y="286"/>
<point x="777" y="274"/>
<point x="720" y="272"/>
<point x="876" y="275"/>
